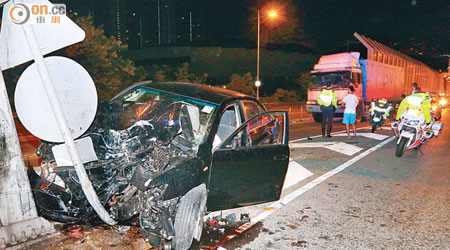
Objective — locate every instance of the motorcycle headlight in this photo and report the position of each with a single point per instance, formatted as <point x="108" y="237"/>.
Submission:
<point x="434" y="107"/>
<point x="376" y="119"/>
<point x="443" y="102"/>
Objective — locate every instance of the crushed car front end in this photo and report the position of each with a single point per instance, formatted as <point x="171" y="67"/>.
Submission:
<point x="147" y="142"/>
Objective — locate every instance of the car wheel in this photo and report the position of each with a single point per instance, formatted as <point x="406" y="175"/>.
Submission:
<point x="189" y="217"/>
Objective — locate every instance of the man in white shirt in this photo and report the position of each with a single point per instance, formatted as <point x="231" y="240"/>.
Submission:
<point x="350" y="102"/>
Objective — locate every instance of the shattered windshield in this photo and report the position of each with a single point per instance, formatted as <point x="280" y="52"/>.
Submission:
<point x="175" y="117"/>
<point x="338" y="79"/>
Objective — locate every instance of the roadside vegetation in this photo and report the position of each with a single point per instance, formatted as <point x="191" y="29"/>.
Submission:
<point x="102" y="57"/>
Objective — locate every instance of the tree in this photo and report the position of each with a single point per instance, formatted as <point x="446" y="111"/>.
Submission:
<point x="282" y="95"/>
<point x="182" y="74"/>
<point x="99" y="55"/>
<point x="303" y="83"/>
<point x="242" y="83"/>
<point x="161" y="73"/>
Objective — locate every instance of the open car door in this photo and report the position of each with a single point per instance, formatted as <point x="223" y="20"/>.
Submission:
<point x="249" y="166"/>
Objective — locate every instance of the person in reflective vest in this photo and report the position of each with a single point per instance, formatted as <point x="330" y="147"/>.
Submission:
<point x="328" y="104"/>
<point x="381" y="104"/>
<point x="420" y="101"/>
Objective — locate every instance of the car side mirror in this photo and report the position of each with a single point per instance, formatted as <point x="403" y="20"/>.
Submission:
<point x="235" y="144"/>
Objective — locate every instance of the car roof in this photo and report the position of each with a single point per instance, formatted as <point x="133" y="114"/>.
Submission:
<point x="197" y="91"/>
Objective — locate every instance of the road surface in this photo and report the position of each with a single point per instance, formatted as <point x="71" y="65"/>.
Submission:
<point x="368" y="200"/>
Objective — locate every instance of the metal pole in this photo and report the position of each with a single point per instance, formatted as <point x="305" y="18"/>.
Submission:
<point x="47" y="82"/>
<point x="159" y="24"/>
<point x="257" y="56"/>
<point x="140" y="31"/>
<point x="257" y="93"/>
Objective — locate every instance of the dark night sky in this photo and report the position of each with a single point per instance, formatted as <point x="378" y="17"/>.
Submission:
<point x="414" y="27"/>
<point x="422" y="25"/>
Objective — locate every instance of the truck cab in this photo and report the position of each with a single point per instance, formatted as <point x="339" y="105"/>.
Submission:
<point x="342" y="70"/>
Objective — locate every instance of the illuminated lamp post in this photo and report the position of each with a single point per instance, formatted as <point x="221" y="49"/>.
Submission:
<point x="271" y="14"/>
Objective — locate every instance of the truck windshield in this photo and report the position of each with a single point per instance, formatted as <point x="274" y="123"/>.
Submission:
<point x="337" y="79"/>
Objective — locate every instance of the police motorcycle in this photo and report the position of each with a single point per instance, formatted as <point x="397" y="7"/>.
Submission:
<point x="379" y="112"/>
<point x="412" y="131"/>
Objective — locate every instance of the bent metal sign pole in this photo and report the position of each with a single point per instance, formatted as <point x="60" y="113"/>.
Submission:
<point x="20" y="31"/>
<point x="86" y="184"/>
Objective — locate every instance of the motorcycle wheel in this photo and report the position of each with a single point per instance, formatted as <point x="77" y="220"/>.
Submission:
<point x="374" y="128"/>
<point x="401" y="147"/>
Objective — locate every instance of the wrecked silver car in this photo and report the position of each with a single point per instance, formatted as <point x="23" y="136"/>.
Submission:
<point x="167" y="154"/>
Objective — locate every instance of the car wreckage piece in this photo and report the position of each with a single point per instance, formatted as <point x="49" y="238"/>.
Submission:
<point x="142" y="170"/>
<point x="155" y="153"/>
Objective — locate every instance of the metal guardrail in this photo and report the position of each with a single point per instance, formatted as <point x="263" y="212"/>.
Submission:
<point x="296" y="110"/>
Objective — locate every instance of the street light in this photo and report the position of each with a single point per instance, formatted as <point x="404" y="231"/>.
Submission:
<point x="272" y="14"/>
<point x="257" y="84"/>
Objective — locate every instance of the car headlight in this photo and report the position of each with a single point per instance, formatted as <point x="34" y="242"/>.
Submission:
<point x="443" y="101"/>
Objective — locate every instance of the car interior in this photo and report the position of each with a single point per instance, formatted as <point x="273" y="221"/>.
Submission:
<point x="228" y="124"/>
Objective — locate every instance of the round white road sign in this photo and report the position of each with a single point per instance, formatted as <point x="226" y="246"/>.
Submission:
<point x="76" y="93"/>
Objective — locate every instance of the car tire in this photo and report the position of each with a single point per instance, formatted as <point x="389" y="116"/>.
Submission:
<point x="189" y="217"/>
<point x="317" y="117"/>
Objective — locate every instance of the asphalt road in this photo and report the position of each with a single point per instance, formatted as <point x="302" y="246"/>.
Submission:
<point x="368" y="200"/>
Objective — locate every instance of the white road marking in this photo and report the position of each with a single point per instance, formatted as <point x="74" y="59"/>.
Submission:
<point x="379" y="137"/>
<point x="335" y="133"/>
<point x="287" y="199"/>
<point x="295" y="174"/>
<point x="340" y="147"/>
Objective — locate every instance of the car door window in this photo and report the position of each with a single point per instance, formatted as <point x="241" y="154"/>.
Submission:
<point x="227" y="125"/>
<point x="266" y="129"/>
<point x="251" y="109"/>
